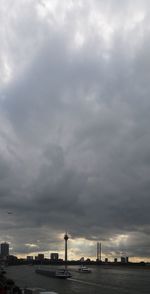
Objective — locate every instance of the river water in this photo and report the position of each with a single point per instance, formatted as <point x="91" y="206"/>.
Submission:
<point x="102" y="280"/>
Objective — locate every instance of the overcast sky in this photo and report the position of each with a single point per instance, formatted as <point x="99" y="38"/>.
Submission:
<point x="75" y="126"/>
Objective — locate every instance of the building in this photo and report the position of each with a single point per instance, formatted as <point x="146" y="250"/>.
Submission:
<point x="29" y="257"/>
<point x="99" y="251"/>
<point x="12" y="259"/>
<point x="124" y="259"/>
<point x="54" y="256"/>
<point x="40" y="256"/>
<point x="4" y="250"/>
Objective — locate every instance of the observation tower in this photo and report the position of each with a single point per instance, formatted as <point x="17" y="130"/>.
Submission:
<point x="66" y="239"/>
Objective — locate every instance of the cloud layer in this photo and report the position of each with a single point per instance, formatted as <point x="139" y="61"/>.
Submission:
<point x="74" y="125"/>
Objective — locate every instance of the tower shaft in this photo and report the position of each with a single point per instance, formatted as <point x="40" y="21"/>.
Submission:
<point x="66" y="249"/>
<point x="66" y="253"/>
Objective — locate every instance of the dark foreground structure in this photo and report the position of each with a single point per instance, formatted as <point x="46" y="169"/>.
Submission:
<point x="7" y="286"/>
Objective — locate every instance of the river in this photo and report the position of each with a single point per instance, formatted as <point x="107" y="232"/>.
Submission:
<point x="102" y="280"/>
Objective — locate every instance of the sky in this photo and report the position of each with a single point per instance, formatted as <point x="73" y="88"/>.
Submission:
<point x="75" y="127"/>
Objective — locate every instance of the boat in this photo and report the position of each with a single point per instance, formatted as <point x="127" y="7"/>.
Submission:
<point x="60" y="273"/>
<point x="84" y="269"/>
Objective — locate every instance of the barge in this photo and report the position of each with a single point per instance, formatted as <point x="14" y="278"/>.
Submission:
<point x="60" y="273"/>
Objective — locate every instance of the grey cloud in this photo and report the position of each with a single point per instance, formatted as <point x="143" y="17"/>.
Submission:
<point x="76" y="123"/>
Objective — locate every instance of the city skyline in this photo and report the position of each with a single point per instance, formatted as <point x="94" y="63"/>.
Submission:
<point x="74" y="126"/>
<point x="54" y="256"/>
<point x="99" y="253"/>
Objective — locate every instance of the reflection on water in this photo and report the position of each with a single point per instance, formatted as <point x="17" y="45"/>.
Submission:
<point x="101" y="281"/>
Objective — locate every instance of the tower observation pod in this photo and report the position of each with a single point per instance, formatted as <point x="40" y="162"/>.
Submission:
<point x="66" y="239"/>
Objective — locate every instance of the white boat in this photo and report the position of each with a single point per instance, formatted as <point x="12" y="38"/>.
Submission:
<point x="84" y="269"/>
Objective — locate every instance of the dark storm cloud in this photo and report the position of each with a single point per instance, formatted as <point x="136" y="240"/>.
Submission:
<point x="74" y="133"/>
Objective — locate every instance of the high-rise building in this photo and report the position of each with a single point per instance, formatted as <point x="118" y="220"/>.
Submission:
<point x="99" y="250"/>
<point x="123" y="259"/>
<point x="4" y="250"/>
<point x="54" y="256"/>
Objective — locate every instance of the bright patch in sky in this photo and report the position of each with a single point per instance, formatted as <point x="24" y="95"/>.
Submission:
<point x="120" y="239"/>
<point x="45" y="7"/>
<point x="31" y="245"/>
<point x="101" y="25"/>
<point x="79" y="40"/>
<point x="7" y="72"/>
